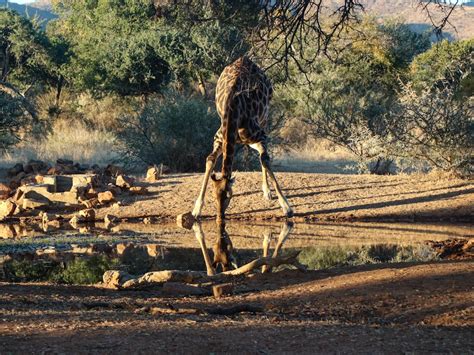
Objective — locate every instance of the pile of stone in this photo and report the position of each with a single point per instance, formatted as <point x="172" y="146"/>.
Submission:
<point x="38" y="186"/>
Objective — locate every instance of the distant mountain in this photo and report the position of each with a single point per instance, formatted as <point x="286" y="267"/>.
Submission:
<point x="461" y="20"/>
<point x="30" y="10"/>
<point x="42" y="4"/>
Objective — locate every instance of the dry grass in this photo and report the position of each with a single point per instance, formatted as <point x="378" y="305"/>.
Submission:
<point x="69" y="140"/>
<point x="316" y="156"/>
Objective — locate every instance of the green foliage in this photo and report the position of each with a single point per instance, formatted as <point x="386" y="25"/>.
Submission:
<point x="345" y="101"/>
<point x="436" y="125"/>
<point x="11" y="120"/>
<point x="83" y="271"/>
<point x="176" y="131"/>
<point x="78" y="271"/>
<point x="116" y="47"/>
<point x="441" y="61"/>
<point x="27" y="270"/>
<point x="336" y="256"/>
<point x="25" y="56"/>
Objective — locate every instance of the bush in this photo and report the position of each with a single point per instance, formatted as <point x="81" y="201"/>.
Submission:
<point x="435" y="126"/>
<point x="85" y="271"/>
<point x="176" y="131"/>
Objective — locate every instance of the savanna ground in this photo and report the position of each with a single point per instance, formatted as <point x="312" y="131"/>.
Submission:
<point x="429" y="197"/>
<point x="420" y="308"/>
<point x="410" y="307"/>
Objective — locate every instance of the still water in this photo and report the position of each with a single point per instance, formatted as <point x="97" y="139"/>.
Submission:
<point x="80" y="256"/>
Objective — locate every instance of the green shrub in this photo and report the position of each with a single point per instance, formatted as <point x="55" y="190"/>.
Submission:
<point x="176" y="131"/>
<point x="85" y="270"/>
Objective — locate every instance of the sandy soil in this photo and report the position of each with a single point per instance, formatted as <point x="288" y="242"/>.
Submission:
<point x="315" y="197"/>
<point x="397" y="308"/>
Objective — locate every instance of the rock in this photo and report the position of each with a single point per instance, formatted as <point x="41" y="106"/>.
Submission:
<point x="102" y="248"/>
<point x="138" y="190"/>
<point x="28" y="180"/>
<point x="87" y="215"/>
<point x="16" y="180"/>
<point x="110" y="219"/>
<point x="152" y="174"/>
<point x="113" y="170"/>
<point x="74" y="221"/>
<point x="105" y="197"/>
<point x="117" y="205"/>
<point x="80" y="190"/>
<point x="4" y="191"/>
<point x="55" y="170"/>
<point x="115" y="278"/>
<point x="121" y="248"/>
<point x="114" y="189"/>
<point x="7" y="208"/>
<point x="64" y="162"/>
<point x="17" y="195"/>
<point x="35" y="167"/>
<point x="123" y="182"/>
<point x="185" y="220"/>
<point x="153" y="250"/>
<point x="91" y="193"/>
<point x="48" y="218"/>
<point x="33" y="200"/>
<point x="39" y="179"/>
<point x="15" y="170"/>
<point x="7" y="231"/>
<point x="90" y="203"/>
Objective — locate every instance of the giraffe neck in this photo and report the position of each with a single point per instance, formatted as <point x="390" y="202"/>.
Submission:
<point x="229" y="131"/>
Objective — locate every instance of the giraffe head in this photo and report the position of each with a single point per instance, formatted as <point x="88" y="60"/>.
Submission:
<point x="223" y="250"/>
<point x="223" y="191"/>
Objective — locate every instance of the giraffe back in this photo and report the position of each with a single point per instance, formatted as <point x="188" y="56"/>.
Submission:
<point x="245" y="85"/>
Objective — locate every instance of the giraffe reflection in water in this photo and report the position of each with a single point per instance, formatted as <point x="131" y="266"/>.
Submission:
<point x="225" y="257"/>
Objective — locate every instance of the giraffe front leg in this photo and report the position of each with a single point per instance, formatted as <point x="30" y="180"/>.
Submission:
<point x="210" y="163"/>
<point x="267" y="193"/>
<point x="197" y="228"/>
<point x="265" y="161"/>
<point x="267" y="237"/>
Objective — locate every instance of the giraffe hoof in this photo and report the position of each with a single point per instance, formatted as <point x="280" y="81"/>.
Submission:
<point x="267" y="195"/>
<point x="289" y="213"/>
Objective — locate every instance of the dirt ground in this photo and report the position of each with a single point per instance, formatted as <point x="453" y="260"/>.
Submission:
<point x="397" y="308"/>
<point x="315" y="197"/>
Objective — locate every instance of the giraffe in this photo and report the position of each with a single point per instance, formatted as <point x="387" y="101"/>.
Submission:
<point x="225" y="255"/>
<point x="243" y="95"/>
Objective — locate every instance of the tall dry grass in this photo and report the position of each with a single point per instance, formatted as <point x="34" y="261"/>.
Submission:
<point x="315" y="156"/>
<point x="68" y="140"/>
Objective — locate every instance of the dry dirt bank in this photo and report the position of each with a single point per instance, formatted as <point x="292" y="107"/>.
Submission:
<point x="315" y="197"/>
<point x="395" y="308"/>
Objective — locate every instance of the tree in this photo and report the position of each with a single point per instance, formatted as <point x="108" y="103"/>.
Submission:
<point x="442" y="61"/>
<point x="346" y="101"/>
<point x="433" y="119"/>
<point x="116" y="47"/>
<point x="12" y="117"/>
<point x="24" y="57"/>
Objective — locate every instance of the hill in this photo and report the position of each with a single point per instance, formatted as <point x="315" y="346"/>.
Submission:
<point x="31" y="11"/>
<point x="461" y="24"/>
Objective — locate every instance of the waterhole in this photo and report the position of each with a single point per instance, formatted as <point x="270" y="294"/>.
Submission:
<point x="80" y="256"/>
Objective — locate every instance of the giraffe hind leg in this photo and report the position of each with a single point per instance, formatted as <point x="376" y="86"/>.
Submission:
<point x="265" y="161"/>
